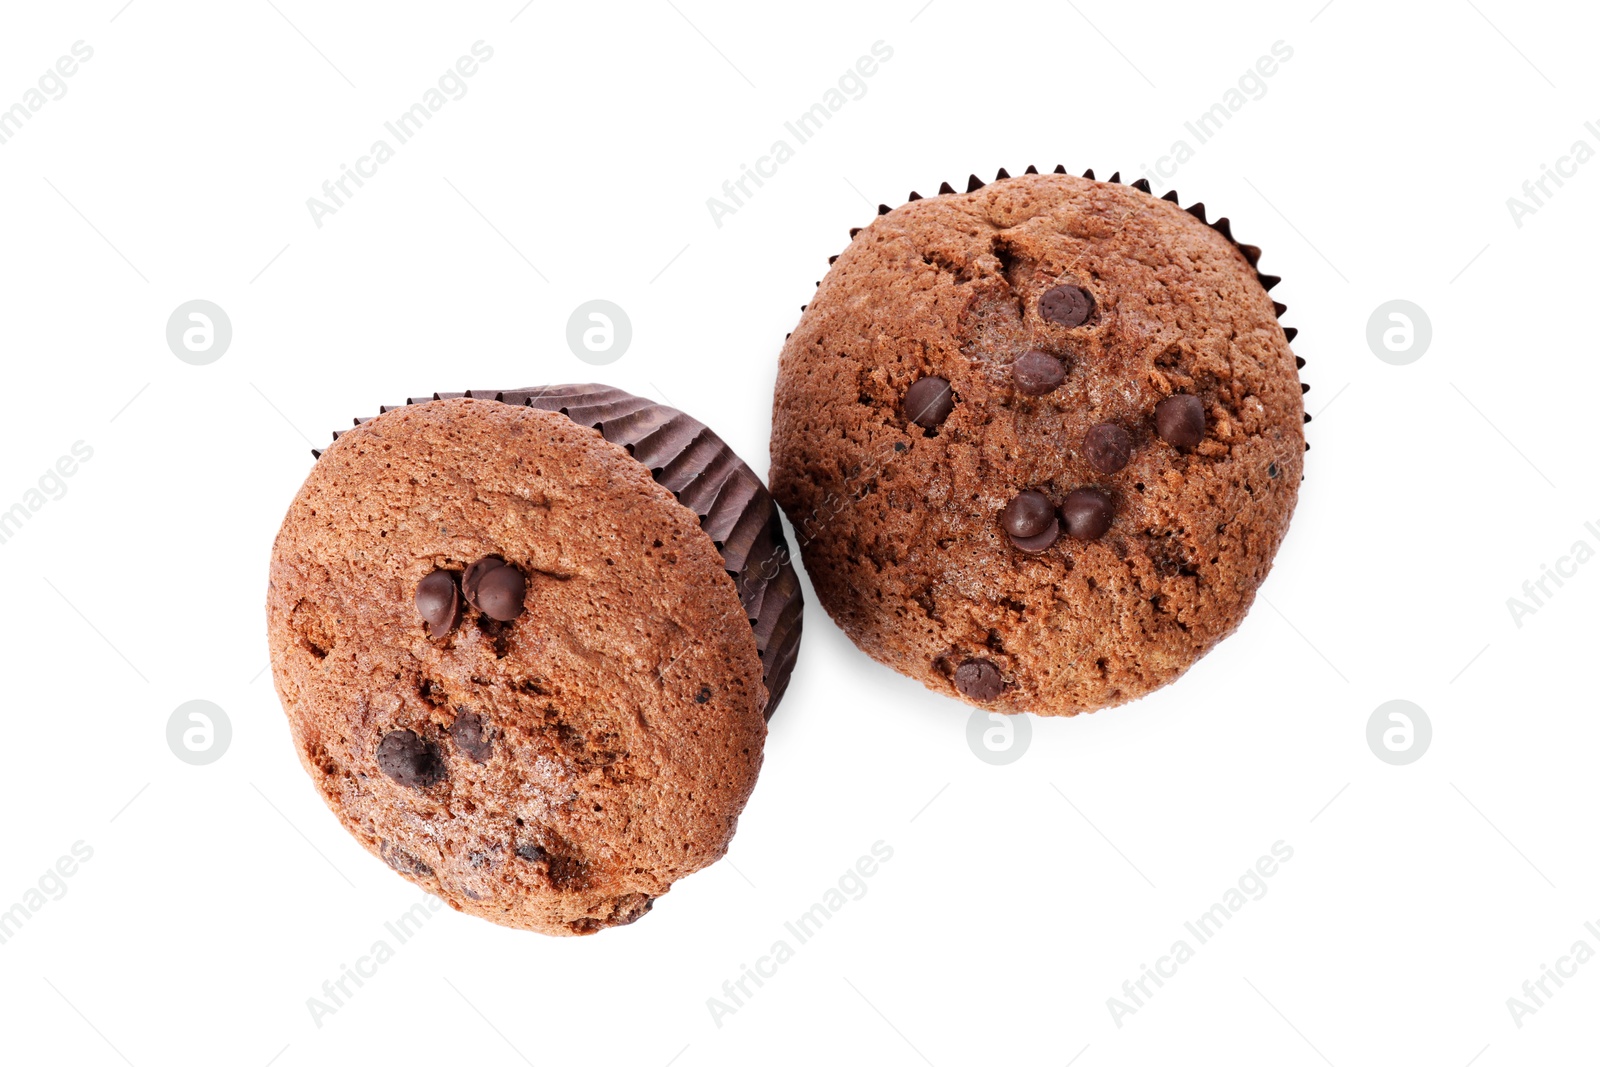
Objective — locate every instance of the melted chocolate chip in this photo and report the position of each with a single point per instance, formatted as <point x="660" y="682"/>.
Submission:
<point x="563" y="865"/>
<point x="1181" y="421"/>
<point x="409" y="760"/>
<point x="500" y="593"/>
<point x="439" y="602"/>
<point x="467" y="733"/>
<point x="403" y="861"/>
<point x="630" y="908"/>
<point x="1036" y="373"/>
<point x="1107" y="447"/>
<point x="978" y="679"/>
<point x="1028" y="514"/>
<point x="1087" y="513"/>
<point x="1067" y="305"/>
<point x="928" y="402"/>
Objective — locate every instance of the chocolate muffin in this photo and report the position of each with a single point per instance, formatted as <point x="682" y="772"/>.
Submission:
<point x="1039" y="441"/>
<point x="527" y="642"/>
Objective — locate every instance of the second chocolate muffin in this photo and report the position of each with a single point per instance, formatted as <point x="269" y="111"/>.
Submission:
<point x="526" y="640"/>
<point x="1039" y="441"/>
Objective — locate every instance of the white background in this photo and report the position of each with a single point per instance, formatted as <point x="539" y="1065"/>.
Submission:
<point x="1019" y="898"/>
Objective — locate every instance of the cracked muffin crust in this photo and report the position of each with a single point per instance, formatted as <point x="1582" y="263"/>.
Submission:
<point x="1040" y="441"/>
<point x="516" y="667"/>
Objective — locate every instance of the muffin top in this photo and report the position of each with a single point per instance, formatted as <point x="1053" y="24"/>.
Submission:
<point x="548" y="747"/>
<point x="1040" y="441"/>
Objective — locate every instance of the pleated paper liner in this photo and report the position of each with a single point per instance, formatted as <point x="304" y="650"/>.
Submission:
<point x="706" y="476"/>
<point x="1251" y="253"/>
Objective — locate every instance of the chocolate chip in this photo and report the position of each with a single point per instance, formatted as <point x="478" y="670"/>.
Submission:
<point x="439" y="602"/>
<point x="704" y="695"/>
<point x="565" y="868"/>
<point x="630" y="908"/>
<point x="1107" y="447"/>
<point x="928" y="402"/>
<point x="1087" y="513"/>
<point x="497" y="595"/>
<point x="1067" y="305"/>
<point x="1028" y="513"/>
<point x="1181" y="420"/>
<point x="500" y="593"/>
<point x="1029" y="520"/>
<point x="403" y="861"/>
<point x="474" y="574"/>
<point x="1037" y="373"/>
<point x="467" y="733"/>
<point x="978" y="679"/>
<point x="409" y="760"/>
<point x="1040" y="541"/>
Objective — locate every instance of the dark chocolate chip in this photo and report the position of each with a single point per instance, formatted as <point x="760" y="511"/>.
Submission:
<point x="409" y="760"/>
<point x="467" y="733"/>
<point x="704" y="695"/>
<point x="1087" y="513"/>
<point x="439" y="602"/>
<point x="928" y="402"/>
<point x="1067" y="305"/>
<point x="1181" y="420"/>
<point x="1107" y="447"/>
<point x="1027" y="514"/>
<point x="403" y="861"/>
<point x="564" y="867"/>
<point x="978" y="679"/>
<point x="500" y="593"/>
<point x="1039" y="541"/>
<point x="1036" y="373"/>
<point x="473" y="577"/>
<point x="630" y="908"/>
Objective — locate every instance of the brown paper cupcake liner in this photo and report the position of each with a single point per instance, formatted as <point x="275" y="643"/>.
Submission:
<point x="1251" y="253"/>
<point x="706" y="476"/>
